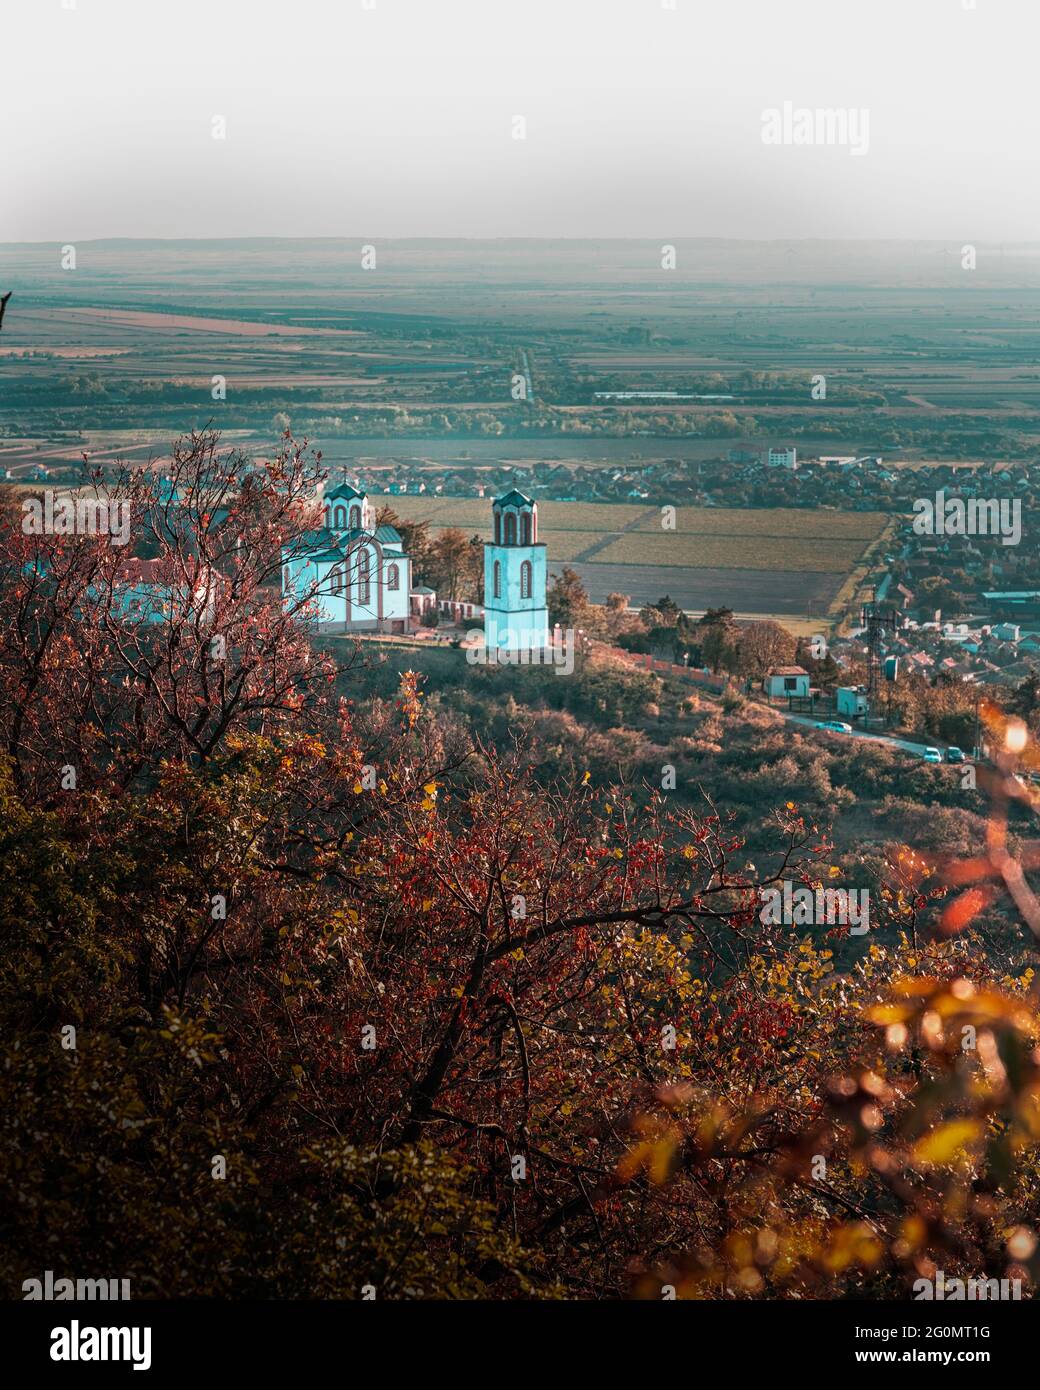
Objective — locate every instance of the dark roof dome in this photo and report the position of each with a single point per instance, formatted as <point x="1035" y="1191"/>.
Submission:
<point x="514" y="499"/>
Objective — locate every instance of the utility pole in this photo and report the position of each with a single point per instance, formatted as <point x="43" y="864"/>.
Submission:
<point x="975" y="751"/>
<point x="878" y="619"/>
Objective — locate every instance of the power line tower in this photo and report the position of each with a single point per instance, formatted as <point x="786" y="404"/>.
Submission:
<point x="877" y="618"/>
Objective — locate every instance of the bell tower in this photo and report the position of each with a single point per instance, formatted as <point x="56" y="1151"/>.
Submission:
<point x="347" y="509"/>
<point x="515" y="616"/>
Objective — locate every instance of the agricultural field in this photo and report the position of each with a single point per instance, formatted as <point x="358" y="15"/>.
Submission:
<point x="596" y="518"/>
<point x="777" y="561"/>
<point x="781" y="555"/>
<point x="751" y="593"/>
<point x="780" y="523"/>
<point x="421" y="353"/>
<point x="404" y="374"/>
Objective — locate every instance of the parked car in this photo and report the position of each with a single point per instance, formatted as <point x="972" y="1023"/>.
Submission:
<point x="954" y="755"/>
<point x="836" y="726"/>
<point x="932" y="755"/>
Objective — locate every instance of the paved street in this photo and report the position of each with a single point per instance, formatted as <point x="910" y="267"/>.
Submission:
<point x="915" y="748"/>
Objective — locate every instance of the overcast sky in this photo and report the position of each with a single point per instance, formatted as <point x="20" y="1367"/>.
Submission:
<point x="398" y="120"/>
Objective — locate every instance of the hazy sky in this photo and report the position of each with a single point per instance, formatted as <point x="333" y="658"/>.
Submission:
<point x="397" y="120"/>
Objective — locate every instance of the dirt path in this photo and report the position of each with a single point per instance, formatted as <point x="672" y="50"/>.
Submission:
<point x="604" y="541"/>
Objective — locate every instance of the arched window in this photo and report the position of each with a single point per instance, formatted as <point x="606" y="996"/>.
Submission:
<point x="525" y="579"/>
<point x="355" y="518"/>
<point x="525" y="529"/>
<point x="498" y="528"/>
<point x="341" y="518"/>
<point x="364" y="585"/>
<point x="393" y="577"/>
<point x="510" y="528"/>
<point x="498" y="580"/>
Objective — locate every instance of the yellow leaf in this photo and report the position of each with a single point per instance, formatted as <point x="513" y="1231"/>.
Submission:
<point x="944" y="1144"/>
<point x="885" y="1014"/>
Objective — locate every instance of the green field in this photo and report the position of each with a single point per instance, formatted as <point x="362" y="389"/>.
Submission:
<point x="749" y="552"/>
<point x="772" y="539"/>
<point x="602" y="518"/>
<point x="781" y="522"/>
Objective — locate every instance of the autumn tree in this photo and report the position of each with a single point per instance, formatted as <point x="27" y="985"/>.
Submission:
<point x="717" y="636"/>
<point x="763" y="645"/>
<point x="415" y="539"/>
<point x="455" y="565"/>
<point x="567" y="599"/>
<point x="303" y="992"/>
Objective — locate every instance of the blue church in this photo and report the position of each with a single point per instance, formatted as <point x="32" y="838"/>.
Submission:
<point x="515" y="615"/>
<point x="350" y="572"/>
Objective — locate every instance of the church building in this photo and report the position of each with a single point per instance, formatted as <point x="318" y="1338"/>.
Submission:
<point x="515" y="615"/>
<point x="355" y="574"/>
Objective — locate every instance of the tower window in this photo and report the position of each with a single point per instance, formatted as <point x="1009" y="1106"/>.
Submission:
<point x="525" y="579"/>
<point x="498" y="528"/>
<point x="498" y="580"/>
<point x="364" y="586"/>
<point x="525" y="529"/>
<point x="355" y="518"/>
<point x="393" y="577"/>
<point x="510" y="528"/>
<point x="340" y="520"/>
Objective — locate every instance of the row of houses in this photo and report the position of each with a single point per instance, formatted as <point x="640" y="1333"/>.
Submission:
<point x="966" y="649"/>
<point x="777" y="475"/>
<point x="774" y="475"/>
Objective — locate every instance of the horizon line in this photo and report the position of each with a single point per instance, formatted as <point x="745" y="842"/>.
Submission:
<point x="657" y="239"/>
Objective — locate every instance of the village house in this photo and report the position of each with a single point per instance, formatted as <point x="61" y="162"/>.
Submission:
<point x="144" y="591"/>
<point x="781" y="682"/>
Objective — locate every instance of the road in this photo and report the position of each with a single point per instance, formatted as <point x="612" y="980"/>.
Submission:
<point x="916" y="748"/>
